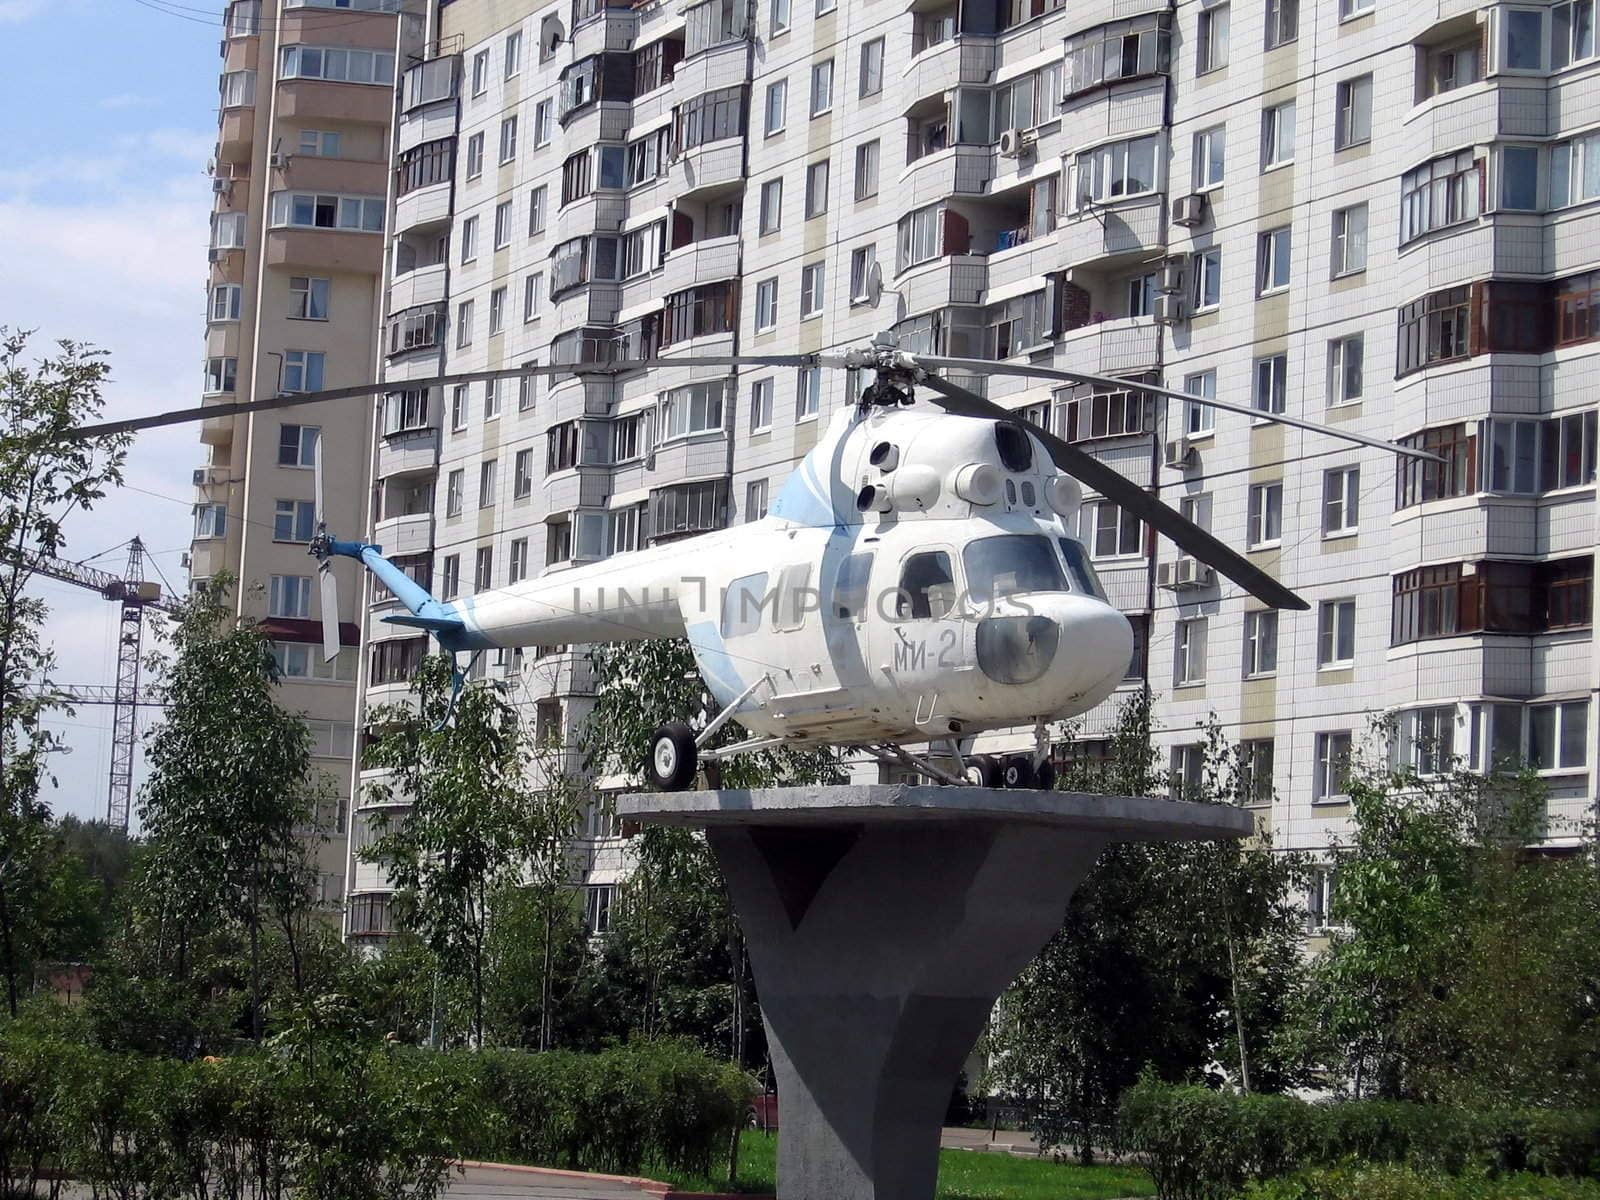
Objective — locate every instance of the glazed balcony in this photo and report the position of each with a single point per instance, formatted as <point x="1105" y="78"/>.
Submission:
<point x="418" y="286"/>
<point x="957" y="170"/>
<point x="705" y="261"/>
<point x="1110" y="346"/>
<point x="713" y="167"/>
<point x="953" y="279"/>
<point x="409" y="534"/>
<point x="1114" y="233"/>
<point x="937" y="69"/>
<point x="422" y="208"/>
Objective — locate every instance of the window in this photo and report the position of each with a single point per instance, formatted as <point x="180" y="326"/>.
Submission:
<point x="576" y="181"/>
<point x="1186" y="779"/>
<point x="302" y="370"/>
<point x="1519" y="178"/>
<point x="450" y="578"/>
<point x="1265" y="516"/>
<point x="1425" y="740"/>
<point x="527" y="388"/>
<point x="771" y="206"/>
<point x="1336" y="633"/>
<point x="1212" y="40"/>
<point x="1209" y="153"/>
<point x="297" y="445"/>
<point x="1434" y="329"/>
<point x="816" y="189"/>
<point x="294" y="520"/>
<point x="687" y="508"/>
<point x="1272" y="261"/>
<point x="226" y="299"/>
<point x="693" y="409"/>
<point x="475" y="156"/>
<point x="1341" y="501"/>
<point x="425" y="165"/>
<point x="340" y="64"/>
<point x="405" y="411"/>
<point x="491" y="399"/>
<point x="227" y="230"/>
<point x="1017" y="326"/>
<point x="1283" y="22"/>
<point x="1207" y="269"/>
<point x="1255" y="772"/>
<point x="458" y="408"/>
<point x="517" y="569"/>
<point x="780" y="16"/>
<point x="1523" y="30"/>
<point x="508" y="140"/>
<point x="653" y="65"/>
<point x="872" y="67"/>
<point x="513" y="53"/>
<point x="777" y="107"/>
<point x="1200" y="419"/>
<point x="1439" y="194"/>
<point x="812" y="286"/>
<point x="210" y="520"/>
<point x="760" y="405"/>
<point x="711" y="308"/>
<point x="1277" y="135"/>
<point x="767" y="305"/>
<point x="1116" y="170"/>
<point x="542" y="114"/>
<point x="1117" y="50"/>
<point x="1354" y="100"/>
<point x="532" y="296"/>
<point x="1418" y="481"/>
<point x="1270" y="394"/>
<point x="455" y="485"/>
<point x="483" y="569"/>
<point x="1558" y="736"/>
<point x="927" y="587"/>
<point x="502" y="225"/>
<point x="289" y="596"/>
<point x="1575" y="170"/>
<point x="862" y="260"/>
<point x="808" y="393"/>
<point x="561" y="447"/>
<point x="1330" y="780"/>
<point x="824" y="7"/>
<point x="1260" y="643"/>
<point x="497" y="312"/>
<point x="469" y="239"/>
<point x="480" y="72"/>
<point x="221" y="374"/>
<point x="821" y="87"/>
<point x="1142" y="291"/>
<point x="1571" y="33"/>
<point x="1189" y="652"/>
<point x="755" y="500"/>
<point x="713" y="23"/>
<point x="1110" y="531"/>
<point x="1493" y="597"/>
<point x="1349" y="240"/>
<point x="316" y="211"/>
<point x="522" y="475"/>
<point x="710" y="117"/>
<point x="464" y="324"/>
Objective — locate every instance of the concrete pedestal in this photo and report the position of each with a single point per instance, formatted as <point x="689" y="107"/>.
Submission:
<point x="883" y="923"/>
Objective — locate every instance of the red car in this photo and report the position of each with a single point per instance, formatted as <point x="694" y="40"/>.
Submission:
<point x="763" y="1113"/>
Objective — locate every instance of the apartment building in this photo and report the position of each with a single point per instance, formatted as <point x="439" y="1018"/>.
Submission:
<point x="1367" y="213"/>
<point x="293" y="303"/>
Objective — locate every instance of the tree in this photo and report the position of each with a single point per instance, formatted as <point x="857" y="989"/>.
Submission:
<point x="1171" y="955"/>
<point x="230" y="790"/>
<point x="465" y="835"/>
<point x="45" y="476"/>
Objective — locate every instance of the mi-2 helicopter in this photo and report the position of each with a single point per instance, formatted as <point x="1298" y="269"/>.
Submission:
<point x="918" y="579"/>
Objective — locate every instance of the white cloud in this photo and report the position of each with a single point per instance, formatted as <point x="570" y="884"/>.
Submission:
<point x="130" y="100"/>
<point x="14" y="12"/>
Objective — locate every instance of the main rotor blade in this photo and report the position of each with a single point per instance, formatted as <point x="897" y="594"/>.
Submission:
<point x="979" y="366"/>
<point x="182" y="416"/>
<point x="1121" y="490"/>
<point x="329" y="583"/>
<point x="321" y="517"/>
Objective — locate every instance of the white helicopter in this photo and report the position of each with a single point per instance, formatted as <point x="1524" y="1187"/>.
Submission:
<point x="918" y="579"/>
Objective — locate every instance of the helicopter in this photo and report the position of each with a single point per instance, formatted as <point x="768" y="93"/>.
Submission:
<point x="917" y="580"/>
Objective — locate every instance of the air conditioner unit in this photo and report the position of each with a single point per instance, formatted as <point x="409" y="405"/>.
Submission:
<point x="1171" y="276"/>
<point x="184" y="561"/>
<point x="1014" y="141"/>
<point x="200" y="476"/>
<point x="1189" y="210"/>
<point x="278" y="159"/>
<point x="1180" y="454"/>
<point x="1169" y="310"/>
<point x="216" y="254"/>
<point x="221" y="186"/>
<point x="1192" y="573"/>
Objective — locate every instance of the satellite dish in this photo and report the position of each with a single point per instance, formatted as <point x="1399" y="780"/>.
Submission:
<point x="874" y="284"/>
<point x="554" y="35"/>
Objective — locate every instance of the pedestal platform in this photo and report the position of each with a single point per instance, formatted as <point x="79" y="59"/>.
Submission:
<point x="883" y="922"/>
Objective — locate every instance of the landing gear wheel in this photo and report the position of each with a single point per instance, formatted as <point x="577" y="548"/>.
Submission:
<point x="1017" y="771"/>
<point x="1044" y="776"/>
<point x="672" y="757"/>
<point x="984" y="771"/>
<point x="713" y="770"/>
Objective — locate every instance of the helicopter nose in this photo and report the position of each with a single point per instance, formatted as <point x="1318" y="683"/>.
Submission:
<point x="1097" y="647"/>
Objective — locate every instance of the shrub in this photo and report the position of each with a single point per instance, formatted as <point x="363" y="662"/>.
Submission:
<point x="1389" y="1181"/>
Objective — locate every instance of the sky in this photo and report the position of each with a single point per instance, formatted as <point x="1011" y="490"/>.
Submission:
<point x="108" y="115"/>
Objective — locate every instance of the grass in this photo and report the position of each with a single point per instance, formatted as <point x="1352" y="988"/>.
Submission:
<point x="963" y="1175"/>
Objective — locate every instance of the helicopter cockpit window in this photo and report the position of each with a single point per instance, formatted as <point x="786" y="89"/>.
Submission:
<point x="1081" y="569"/>
<point x="927" y="587"/>
<point x="743" y="604"/>
<point x="1011" y="563"/>
<point x="795" y="597"/>
<point x="850" y="587"/>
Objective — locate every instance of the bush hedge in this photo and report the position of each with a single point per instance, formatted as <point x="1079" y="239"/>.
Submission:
<point x="1200" y="1144"/>
<point x="346" y="1119"/>
<point x="1389" y="1181"/>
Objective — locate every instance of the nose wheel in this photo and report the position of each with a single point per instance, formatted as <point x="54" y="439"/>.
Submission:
<point x="672" y="757"/>
<point x="1017" y="771"/>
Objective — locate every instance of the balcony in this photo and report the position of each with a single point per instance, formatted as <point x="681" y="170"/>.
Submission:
<point x="713" y="167"/>
<point x="311" y="99"/>
<point x="609" y="29"/>
<point x="961" y="60"/>
<point x="410" y="534"/>
<point x="408" y="452"/>
<point x="1106" y="347"/>
<point x="419" y="286"/>
<point x="422" y="208"/>
<point x="954" y="279"/>
<point x="705" y="261"/>
<point x="720" y="66"/>
<point x="308" y="173"/>
<point x="327" y="249"/>
<point x="1099" y="237"/>
<point x="217" y="431"/>
<point x="235" y="134"/>
<point x="958" y="170"/>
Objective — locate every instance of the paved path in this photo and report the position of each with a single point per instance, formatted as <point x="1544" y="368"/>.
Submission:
<point x="482" y="1183"/>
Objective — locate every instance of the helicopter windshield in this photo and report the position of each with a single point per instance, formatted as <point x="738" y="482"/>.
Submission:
<point x="1081" y="569"/>
<point x="1009" y="564"/>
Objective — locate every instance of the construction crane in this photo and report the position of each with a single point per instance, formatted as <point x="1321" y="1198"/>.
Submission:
<point x="135" y="593"/>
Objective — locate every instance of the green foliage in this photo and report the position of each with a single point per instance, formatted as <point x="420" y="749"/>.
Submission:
<point x="1391" y="1182"/>
<point x="1204" y="1144"/>
<point x="44" y="478"/>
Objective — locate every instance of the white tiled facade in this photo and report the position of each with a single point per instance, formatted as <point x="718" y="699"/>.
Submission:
<point x="1028" y="182"/>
